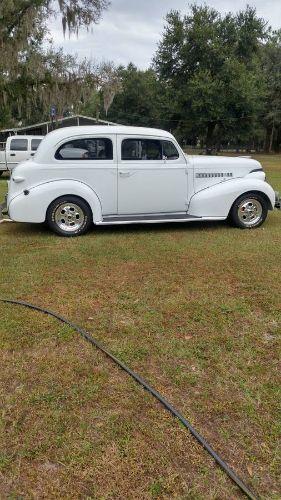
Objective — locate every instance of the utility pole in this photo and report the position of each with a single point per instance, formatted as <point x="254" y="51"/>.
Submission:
<point x="271" y="138"/>
<point x="53" y="114"/>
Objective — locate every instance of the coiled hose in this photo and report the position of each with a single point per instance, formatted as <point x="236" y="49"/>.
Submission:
<point x="150" y="389"/>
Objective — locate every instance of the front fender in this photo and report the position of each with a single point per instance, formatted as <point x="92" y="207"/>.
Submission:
<point x="32" y="205"/>
<point x="216" y="201"/>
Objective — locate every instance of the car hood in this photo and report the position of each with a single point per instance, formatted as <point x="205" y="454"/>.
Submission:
<point x="210" y="170"/>
<point x="233" y="163"/>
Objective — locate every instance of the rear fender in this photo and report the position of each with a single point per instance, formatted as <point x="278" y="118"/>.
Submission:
<point x="216" y="201"/>
<point x="32" y="205"/>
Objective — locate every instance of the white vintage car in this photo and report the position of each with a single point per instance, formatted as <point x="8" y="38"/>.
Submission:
<point x="123" y="175"/>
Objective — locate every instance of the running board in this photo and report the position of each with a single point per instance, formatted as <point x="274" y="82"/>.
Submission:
<point x="148" y="218"/>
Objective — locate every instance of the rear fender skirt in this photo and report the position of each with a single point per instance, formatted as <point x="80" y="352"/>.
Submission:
<point x="217" y="200"/>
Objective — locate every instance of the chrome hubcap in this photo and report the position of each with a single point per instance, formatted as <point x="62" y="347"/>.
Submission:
<point x="69" y="217"/>
<point x="250" y="212"/>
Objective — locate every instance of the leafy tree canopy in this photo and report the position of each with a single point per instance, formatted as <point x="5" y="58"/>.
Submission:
<point x="142" y="100"/>
<point x="212" y="64"/>
<point x="33" y="77"/>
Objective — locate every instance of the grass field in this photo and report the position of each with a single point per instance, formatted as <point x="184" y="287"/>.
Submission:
<point x="195" y="309"/>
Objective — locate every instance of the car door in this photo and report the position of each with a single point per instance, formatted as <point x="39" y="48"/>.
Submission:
<point x="152" y="176"/>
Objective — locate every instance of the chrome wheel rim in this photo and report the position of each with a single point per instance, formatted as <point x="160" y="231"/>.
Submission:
<point x="69" y="217"/>
<point x="250" y="212"/>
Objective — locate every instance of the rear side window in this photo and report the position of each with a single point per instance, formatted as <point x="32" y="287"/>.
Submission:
<point x="86" y="149"/>
<point x="19" y="145"/>
<point x="141" y="149"/>
<point x="35" y="143"/>
<point x="148" y="149"/>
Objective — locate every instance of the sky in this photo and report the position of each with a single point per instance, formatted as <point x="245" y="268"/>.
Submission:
<point x="130" y="29"/>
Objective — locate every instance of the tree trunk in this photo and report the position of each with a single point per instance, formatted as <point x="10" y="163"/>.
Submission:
<point x="277" y="144"/>
<point x="267" y="140"/>
<point x="271" y="138"/>
<point x="210" y="134"/>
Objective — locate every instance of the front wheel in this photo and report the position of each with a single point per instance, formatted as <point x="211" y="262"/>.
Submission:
<point x="249" y="211"/>
<point x="69" y="216"/>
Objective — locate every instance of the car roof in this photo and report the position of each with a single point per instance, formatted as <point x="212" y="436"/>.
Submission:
<point x="61" y="133"/>
<point x="45" y="152"/>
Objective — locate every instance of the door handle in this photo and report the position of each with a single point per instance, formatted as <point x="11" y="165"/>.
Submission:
<point x="12" y="154"/>
<point x="124" y="174"/>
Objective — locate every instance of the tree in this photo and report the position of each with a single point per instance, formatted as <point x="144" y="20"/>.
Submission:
<point x="143" y="100"/>
<point x="211" y="64"/>
<point x="271" y="64"/>
<point x="21" y="19"/>
<point x="32" y="78"/>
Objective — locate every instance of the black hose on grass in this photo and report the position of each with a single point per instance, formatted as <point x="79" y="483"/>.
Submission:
<point x="150" y="389"/>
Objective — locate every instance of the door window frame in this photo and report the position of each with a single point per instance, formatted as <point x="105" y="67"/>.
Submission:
<point x="149" y="163"/>
<point x="89" y="162"/>
<point x="141" y="159"/>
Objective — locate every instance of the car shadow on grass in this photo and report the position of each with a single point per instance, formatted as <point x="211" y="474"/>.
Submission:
<point x="161" y="228"/>
<point x="42" y="230"/>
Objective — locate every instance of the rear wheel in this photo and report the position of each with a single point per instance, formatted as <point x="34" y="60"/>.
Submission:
<point x="249" y="211"/>
<point x="69" y="216"/>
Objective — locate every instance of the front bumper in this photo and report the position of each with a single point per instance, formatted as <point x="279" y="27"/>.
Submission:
<point x="277" y="200"/>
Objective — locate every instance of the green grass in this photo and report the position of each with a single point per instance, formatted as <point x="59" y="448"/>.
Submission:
<point x="194" y="308"/>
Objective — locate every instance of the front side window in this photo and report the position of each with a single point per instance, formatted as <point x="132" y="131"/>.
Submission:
<point x="148" y="149"/>
<point x="86" y="149"/>
<point x="19" y="145"/>
<point x="34" y="144"/>
<point x="141" y="149"/>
